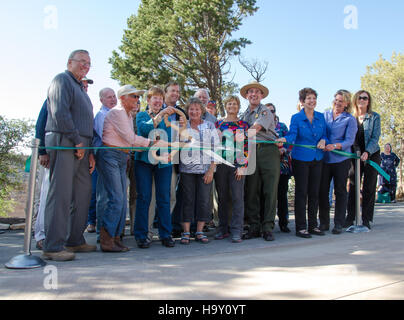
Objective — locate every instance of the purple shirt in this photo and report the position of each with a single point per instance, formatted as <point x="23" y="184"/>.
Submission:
<point x="340" y="130"/>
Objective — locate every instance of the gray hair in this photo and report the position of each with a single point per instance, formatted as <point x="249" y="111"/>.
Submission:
<point x="203" y="89"/>
<point x="71" y="56"/>
<point x="103" y="91"/>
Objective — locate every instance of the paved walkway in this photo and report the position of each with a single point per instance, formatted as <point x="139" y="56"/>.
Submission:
<point x="347" y="266"/>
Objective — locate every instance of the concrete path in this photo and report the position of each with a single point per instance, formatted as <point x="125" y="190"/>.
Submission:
<point x="347" y="266"/>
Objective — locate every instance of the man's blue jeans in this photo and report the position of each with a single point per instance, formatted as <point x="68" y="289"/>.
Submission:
<point x="144" y="173"/>
<point x="112" y="172"/>
<point x="92" y="219"/>
<point x="101" y="196"/>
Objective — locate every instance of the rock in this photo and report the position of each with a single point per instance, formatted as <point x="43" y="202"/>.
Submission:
<point x="17" y="226"/>
<point x="4" y="226"/>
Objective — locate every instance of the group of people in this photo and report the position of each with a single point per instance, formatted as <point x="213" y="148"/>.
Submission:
<point x="350" y="126"/>
<point x="174" y="175"/>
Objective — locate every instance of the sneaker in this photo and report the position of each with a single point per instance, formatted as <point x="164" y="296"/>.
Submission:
<point x="337" y="230"/>
<point x="58" y="256"/>
<point x="85" y="247"/>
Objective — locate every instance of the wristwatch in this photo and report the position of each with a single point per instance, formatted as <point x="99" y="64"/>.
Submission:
<point x="335" y="146"/>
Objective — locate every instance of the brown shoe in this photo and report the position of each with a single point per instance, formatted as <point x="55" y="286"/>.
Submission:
<point x="119" y="243"/>
<point x="91" y="228"/>
<point x="85" y="247"/>
<point x="39" y="245"/>
<point x="58" y="256"/>
<point x="107" y="242"/>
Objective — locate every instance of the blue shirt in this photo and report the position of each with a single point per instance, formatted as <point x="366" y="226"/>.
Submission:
<point x="99" y="126"/>
<point x="340" y="130"/>
<point x="40" y="127"/>
<point x="145" y="126"/>
<point x="303" y="132"/>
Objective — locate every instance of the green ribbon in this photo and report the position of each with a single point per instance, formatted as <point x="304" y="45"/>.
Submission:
<point x="339" y="152"/>
<point x="125" y="148"/>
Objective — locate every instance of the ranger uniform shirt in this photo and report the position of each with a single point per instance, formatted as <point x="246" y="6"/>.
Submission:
<point x="264" y="117"/>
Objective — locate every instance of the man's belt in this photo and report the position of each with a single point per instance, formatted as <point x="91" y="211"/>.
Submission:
<point x="117" y="148"/>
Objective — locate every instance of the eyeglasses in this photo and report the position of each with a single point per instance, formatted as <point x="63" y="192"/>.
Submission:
<point x="83" y="62"/>
<point x="134" y="96"/>
<point x="363" y="98"/>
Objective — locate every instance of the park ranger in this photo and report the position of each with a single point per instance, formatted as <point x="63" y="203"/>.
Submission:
<point x="266" y="174"/>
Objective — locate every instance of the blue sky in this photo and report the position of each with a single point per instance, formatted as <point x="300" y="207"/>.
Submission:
<point x="305" y="43"/>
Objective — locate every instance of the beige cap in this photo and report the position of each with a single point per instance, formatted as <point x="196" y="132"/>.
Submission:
<point x="128" y="89"/>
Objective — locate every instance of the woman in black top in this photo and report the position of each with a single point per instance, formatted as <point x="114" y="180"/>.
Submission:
<point x="367" y="142"/>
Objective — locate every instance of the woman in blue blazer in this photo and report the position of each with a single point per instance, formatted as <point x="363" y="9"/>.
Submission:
<point x="341" y="131"/>
<point x="307" y="127"/>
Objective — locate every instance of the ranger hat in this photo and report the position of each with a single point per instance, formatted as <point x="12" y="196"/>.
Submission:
<point x="254" y="84"/>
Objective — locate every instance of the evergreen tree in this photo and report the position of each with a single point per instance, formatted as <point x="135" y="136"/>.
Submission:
<point x="184" y="40"/>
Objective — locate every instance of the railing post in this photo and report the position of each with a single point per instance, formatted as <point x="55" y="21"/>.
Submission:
<point x="357" y="228"/>
<point x="357" y="189"/>
<point x="27" y="261"/>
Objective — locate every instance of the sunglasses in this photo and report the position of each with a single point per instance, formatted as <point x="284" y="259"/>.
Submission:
<point x="363" y="98"/>
<point x="134" y="96"/>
